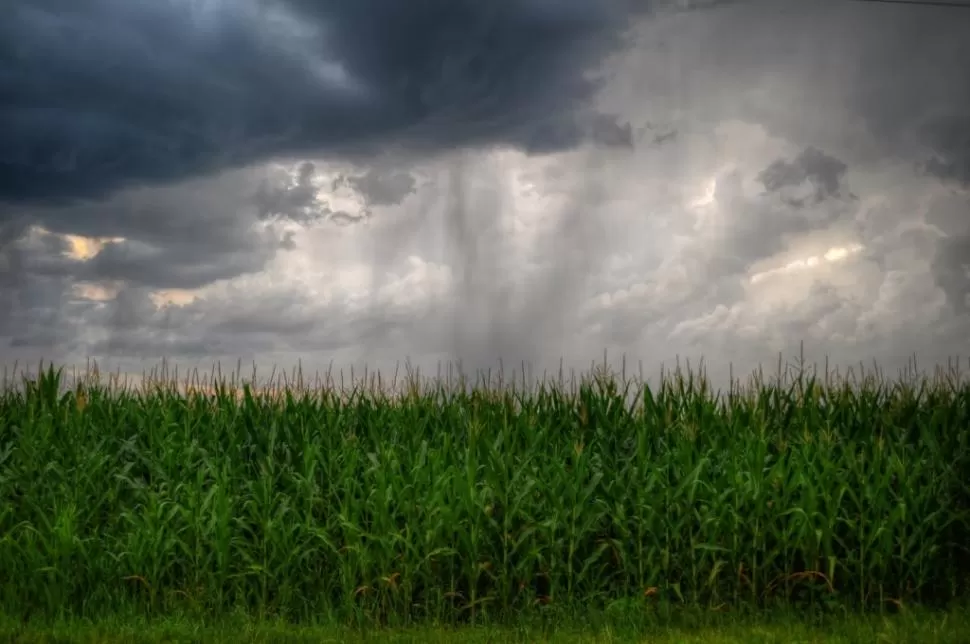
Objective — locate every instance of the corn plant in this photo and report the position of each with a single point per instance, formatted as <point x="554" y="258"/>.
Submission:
<point x="460" y="503"/>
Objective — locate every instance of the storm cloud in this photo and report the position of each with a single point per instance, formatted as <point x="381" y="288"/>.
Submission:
<point x="372" y="181"/>
<point x="107" y="93"/>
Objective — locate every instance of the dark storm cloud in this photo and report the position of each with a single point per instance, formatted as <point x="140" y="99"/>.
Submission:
<point x="825" y="100"/>
<point x="105" y="93"/>
<point x="823" y="174"/>
<point x="383" y="187"/>
<point x="295" y="201"/>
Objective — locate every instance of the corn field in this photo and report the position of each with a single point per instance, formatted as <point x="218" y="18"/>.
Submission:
<point x="462" y="503"/>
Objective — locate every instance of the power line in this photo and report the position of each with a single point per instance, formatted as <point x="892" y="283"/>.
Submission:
<point x="925" y="3"/>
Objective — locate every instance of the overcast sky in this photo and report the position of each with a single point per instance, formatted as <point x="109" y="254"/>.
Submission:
<point x="525" y="180"/>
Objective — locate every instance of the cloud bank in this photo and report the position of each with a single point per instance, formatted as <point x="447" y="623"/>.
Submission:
<point x="109" y="93"/>
<point x="516" y="180"/>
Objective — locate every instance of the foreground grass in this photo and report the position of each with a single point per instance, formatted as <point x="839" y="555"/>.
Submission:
<point x="916" y="627"/>
<point x="482" y="505"/>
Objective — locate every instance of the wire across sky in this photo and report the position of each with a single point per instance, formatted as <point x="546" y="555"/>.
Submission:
<point x="926" y="3"/>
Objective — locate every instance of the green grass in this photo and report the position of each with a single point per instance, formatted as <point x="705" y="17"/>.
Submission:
<point x="917" y="627"/>
<point x="481" y="505"/>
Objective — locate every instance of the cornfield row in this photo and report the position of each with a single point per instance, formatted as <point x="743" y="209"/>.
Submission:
<point x="450" y="503"/>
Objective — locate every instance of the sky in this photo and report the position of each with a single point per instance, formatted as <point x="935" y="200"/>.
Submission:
<point x="341" y="184"/>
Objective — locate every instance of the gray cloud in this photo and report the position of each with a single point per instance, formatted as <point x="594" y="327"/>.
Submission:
<point x="823" y="174"/>
<point x="801" y="195"/>
<point x="110" y="93"/>
<point x="171" y="237"/>
<point x="296" y="201"/>
<point x="776" y="172"/>
<point x="383" y="187"/>
<point x="951" y="265"/>
<point x="177" y="237"/>
<point x="955" y="168"/>
<point x="120" y="119"/>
